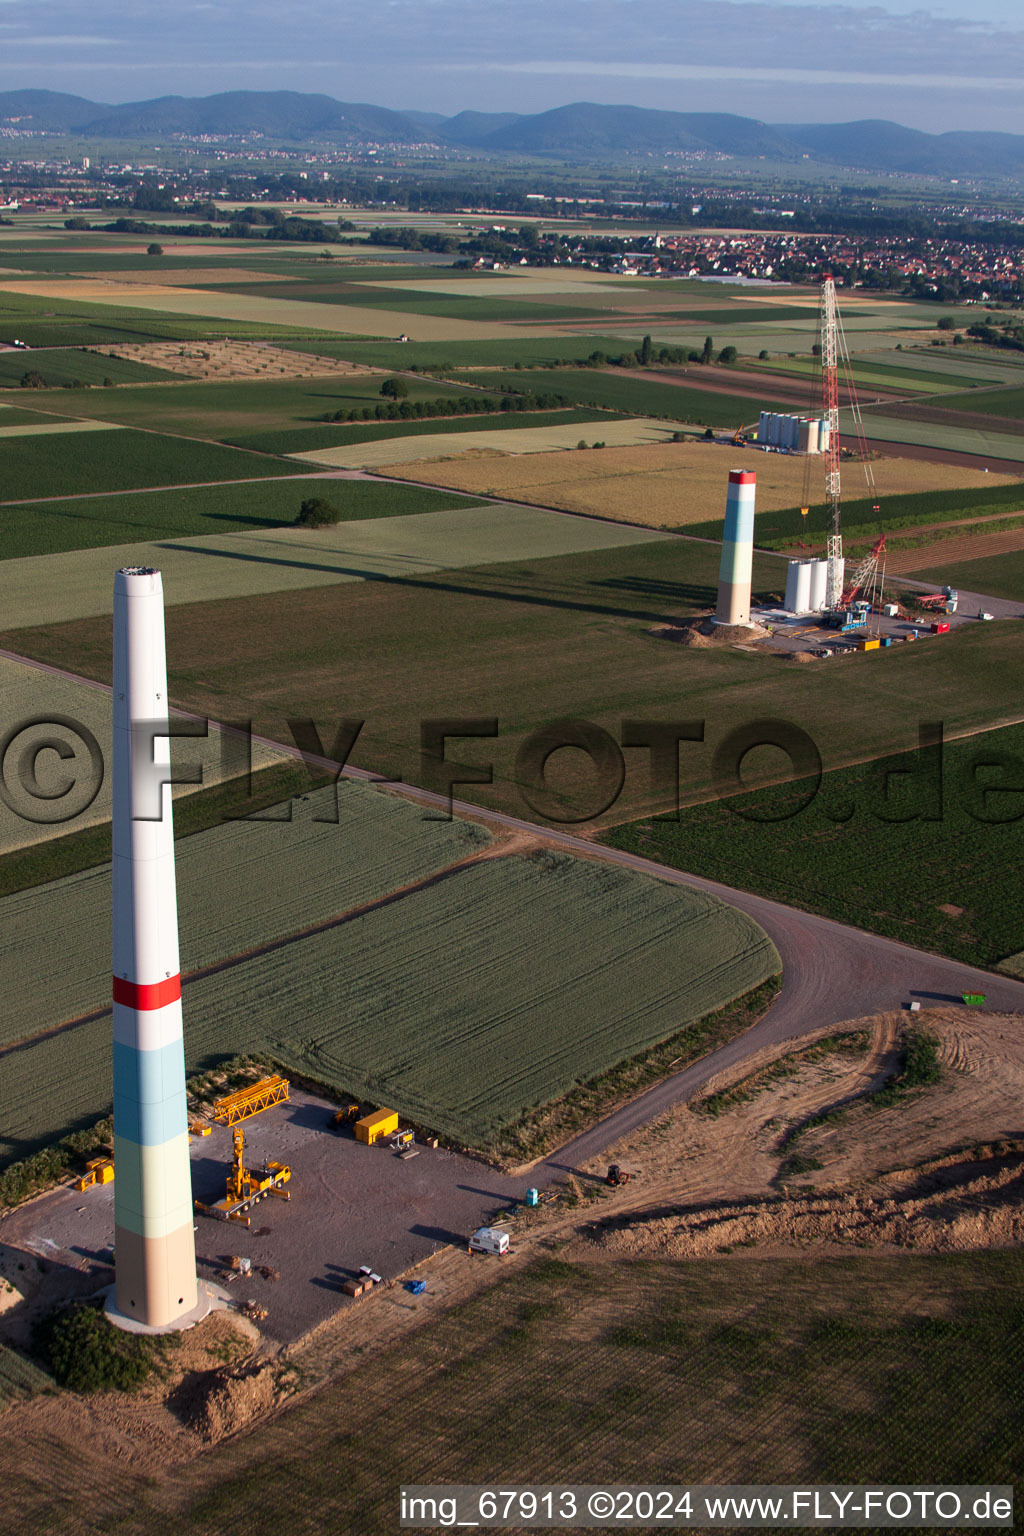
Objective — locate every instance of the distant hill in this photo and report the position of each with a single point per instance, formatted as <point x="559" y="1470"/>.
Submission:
<point x="582" y="130"/>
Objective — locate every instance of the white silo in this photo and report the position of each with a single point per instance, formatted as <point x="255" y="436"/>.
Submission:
<point x="763" y="427"/>
<point x="824" y="434"/>
<point x="798" y="586"/>
<point x="819" y="582"/>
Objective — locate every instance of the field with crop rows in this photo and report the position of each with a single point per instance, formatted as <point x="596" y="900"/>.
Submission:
<point x="63" y="365"/>
<point x="123" y="460"/>
<point x="95" y="522"/>
<point x="239" y="886"/>
<point x="225" y="409"/>
<point x="591" y="386"/>
<point x="793" y="1361"/>
<point x="983" y="495"/>
<point x="947" y="436"/>
<point x="932" y="869"/>
<point x="461" y="1005"/>
<point x="1007" y="403"/>
<point x="440" y="531"/>
<point x="45" y="321"/>
<point x="20" y="1378"/>
<point x="997" y="576"/>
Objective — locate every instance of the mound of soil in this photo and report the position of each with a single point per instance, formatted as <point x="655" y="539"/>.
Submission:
<point x="232" y="1399"/>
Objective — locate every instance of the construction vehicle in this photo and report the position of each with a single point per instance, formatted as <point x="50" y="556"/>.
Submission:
<point x="616" y="1176"/>
<point x="100" y="1170"/>
<point x="846" y="620"/>
<point x="250" y="1101"/>
<point x="247" y="1186"/>
<point x="344" y="1116"/>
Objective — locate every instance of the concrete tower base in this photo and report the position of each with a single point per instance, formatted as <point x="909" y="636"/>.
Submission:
<point x="212" y="1298"/>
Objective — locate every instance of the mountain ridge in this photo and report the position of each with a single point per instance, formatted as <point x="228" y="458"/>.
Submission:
<point x="580" y="130"/>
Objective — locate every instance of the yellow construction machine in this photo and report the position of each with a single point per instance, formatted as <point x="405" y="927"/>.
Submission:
<point x="247" y="1186"/>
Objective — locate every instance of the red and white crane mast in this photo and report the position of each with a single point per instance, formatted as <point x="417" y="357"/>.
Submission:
<point x="830" y="403"/>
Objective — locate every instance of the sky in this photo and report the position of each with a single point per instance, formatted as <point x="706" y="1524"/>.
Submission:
<point x="957" y="64"/>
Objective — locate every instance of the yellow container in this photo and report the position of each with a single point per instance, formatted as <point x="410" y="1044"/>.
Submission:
<point x="383" y="1122"/>
<point x="867" y="645"/>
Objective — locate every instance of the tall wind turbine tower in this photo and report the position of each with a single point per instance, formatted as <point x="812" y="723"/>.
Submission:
<point x="154" y="1245"/>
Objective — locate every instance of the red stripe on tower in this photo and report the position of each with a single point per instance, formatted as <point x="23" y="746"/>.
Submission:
<point x="147" y="995"/>
<point x="742" y="477"/>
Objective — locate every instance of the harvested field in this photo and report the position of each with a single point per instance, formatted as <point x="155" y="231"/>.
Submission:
<point x="233" y="360"/>
<point x="157" y="272"/>
<point x="49" y="589"/>
<point x="240" y="885"/>
<point x="447" y="445"/>
<point x="671" y="485"/>
<point x="933" y="1168"/>
<point x="599" y="965"/>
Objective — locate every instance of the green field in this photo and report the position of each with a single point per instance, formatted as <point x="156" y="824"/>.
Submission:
<point x="62" y="366"/>
<point x="991" y="442"/>
<point x="885" y="862"/>
<point x="852" y="1368"/>
<point x="240" y="885"/>
<point x="54" y="466"/>
<point x="918" y="508"/>
<point x="995" y="576"/>
<point x="224" y="410"/>
<point x="565" y="968"/>
<point x="534" y="640"/>
<point x="99" y="521"/>
<point x="45" y="322"/>
<point x="506" y="352"/>
<point x="636" y="397"/>
<point x="1007" y="403"/>
<point x="307" y="439"/>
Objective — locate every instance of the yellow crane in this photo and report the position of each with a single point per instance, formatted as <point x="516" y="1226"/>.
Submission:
<point x="247" y="1186"/>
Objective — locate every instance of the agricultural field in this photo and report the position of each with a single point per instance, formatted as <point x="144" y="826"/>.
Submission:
<point x="29" y="694"/>
<point x="240" y="885"/>
<point x="465" y="1051"/>
<point x="983" y="496"/>
<point x="676" y="485"/>
<point x="999" y="575"/>
<point x="61" y="366"/>
<point x="20" y="1378"/>
<point x="794" y="1360"/>
<point x="35" y="468"/>
<point x="532" y="640"/>
<point x="93" y="522"/>
<point x="1007" y="403"/>
<point x="637" y="396"/>
<point x="616" y="431"/>
<point x="880" y="427"/>
<point x="296" y="440"/>
<point x="225" y="409"/>
<point x="897" y="847"/>
<point x="425" y="532"/>
<point x="42" y="319"/>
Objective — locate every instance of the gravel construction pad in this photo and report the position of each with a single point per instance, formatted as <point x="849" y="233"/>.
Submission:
<point x="350" y="1205"/>
<point x="31" y="693"/>
<point x="46" y="589"/>
<point x="445" y="445"/>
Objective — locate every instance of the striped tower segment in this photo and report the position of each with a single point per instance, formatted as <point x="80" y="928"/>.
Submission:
<point x="737" y="550"/>
<point x="155" y="1258"/>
